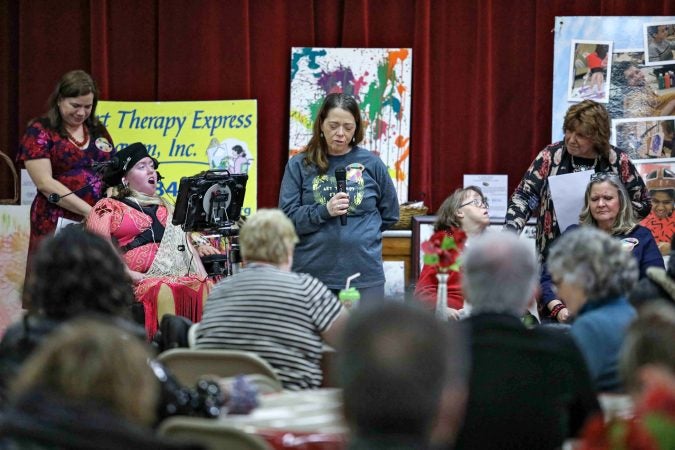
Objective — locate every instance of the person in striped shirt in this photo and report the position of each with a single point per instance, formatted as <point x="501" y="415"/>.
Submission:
<point x="283" y="316"/>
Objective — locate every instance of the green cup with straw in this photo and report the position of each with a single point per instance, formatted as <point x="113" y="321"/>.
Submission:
<point x="350" y="296"/>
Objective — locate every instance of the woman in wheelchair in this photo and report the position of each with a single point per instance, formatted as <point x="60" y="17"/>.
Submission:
<point x="162" y="260"/>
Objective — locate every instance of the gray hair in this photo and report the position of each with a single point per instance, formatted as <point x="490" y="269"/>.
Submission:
<point x="594" y="261"/>
<point x="500" y="273"/>
<point x="267" y="236"/>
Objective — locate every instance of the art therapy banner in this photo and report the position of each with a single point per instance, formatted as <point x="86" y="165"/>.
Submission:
<point x="379" y="79"/>
<point x="190" y="137"/>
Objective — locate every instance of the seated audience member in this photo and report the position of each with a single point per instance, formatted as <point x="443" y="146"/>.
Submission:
<point x="283" y="316"/>
<point x="166" y="280"/>
<point x="607" y="207"/>
<point x="659" y="284"/>
<point x="647" y="366"/>
<point x="403" y="375"/>
<point x="462" y="215"/>
<point x="593" y="274"/>
<point x="75" y="392"/>
<point x="65" y="287"/>
<point x="528" y="388"/>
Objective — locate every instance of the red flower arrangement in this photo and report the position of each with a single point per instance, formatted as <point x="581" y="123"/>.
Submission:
<point x="442" y="252"/>
<point x="652" y="427"/>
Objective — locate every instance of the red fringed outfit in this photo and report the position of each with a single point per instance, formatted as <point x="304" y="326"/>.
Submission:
<point x="186" y="280"/>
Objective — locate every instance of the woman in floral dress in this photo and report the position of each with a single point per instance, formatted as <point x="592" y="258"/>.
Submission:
<point x="59" y="151"/>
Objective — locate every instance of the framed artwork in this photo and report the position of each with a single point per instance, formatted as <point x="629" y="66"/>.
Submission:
<point x="423" y="228"/>
<point x="380" y="79"/>
<point x="14" y="236"/>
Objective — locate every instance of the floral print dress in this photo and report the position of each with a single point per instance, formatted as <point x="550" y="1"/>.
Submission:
<point x="71" y="166"/>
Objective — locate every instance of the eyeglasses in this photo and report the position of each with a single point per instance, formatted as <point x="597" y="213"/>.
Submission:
<point x="477" y="203"/>
<point x="604" y="176"/>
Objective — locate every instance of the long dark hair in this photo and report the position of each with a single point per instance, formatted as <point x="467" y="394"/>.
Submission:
<point x="78" y="272"/>
<point x="72" y="84"/>
<point x="317" y="149"/>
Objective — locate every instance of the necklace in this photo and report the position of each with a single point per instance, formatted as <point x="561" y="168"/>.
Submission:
<point x="85" y="137"/>
<point x="581" y="167"/>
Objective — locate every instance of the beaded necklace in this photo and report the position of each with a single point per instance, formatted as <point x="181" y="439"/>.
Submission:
<point x="85" y="137"/>
<point x="582" y="167"/>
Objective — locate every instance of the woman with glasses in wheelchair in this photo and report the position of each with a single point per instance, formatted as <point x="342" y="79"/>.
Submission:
<point x="607" y="206"/>
<point x="462" y="215"/>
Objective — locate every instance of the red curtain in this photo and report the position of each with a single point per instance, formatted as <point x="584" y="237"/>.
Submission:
<point x="482" y="69"/>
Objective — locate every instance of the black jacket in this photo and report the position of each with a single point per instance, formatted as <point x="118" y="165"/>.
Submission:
<point x="47" y="422"/>
<point x="528" y="388"/>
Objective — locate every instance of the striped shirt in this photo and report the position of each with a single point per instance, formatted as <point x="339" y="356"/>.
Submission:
<point x="277" y="314"/>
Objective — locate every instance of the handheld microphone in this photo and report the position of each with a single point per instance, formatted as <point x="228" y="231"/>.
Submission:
<point x="341" y="178"/>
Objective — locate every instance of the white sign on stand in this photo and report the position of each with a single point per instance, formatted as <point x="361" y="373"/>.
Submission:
<point x="495" y="189"/>
<point x="28" y="189"/>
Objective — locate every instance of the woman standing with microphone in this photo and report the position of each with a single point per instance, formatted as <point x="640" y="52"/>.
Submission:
<point x="339" y="223"/>
<point x="58" y="151"/>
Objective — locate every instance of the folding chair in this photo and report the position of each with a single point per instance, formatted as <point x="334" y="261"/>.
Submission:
<point x="188" y="365"/>
<point x="213" y="434"/>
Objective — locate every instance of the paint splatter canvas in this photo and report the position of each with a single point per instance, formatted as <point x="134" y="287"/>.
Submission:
<point x="380" y="80"/>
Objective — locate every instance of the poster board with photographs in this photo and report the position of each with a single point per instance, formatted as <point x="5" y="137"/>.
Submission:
<point x="637" y="89"/>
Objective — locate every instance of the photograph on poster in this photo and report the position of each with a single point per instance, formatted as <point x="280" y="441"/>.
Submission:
<point x="636" y="89"/>
<point x="589" y="77"/>
<point x="659" y="38"/>
<point x="659" y="177"/>
<point x="645" y="137"/>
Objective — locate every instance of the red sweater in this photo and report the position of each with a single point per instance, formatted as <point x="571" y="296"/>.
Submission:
<point x="427" y="285"/>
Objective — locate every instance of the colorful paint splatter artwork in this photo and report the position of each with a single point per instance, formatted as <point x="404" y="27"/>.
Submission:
<point x="381" y="81"/>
